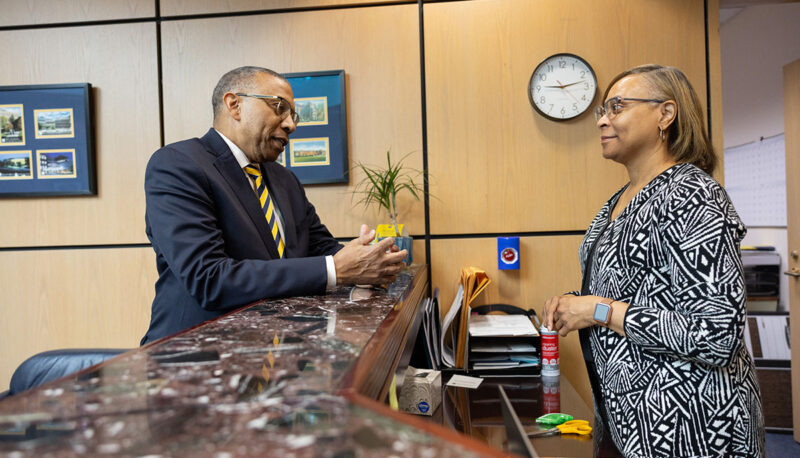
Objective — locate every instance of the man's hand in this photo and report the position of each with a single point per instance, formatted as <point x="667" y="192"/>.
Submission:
<point x="362" y="263"/>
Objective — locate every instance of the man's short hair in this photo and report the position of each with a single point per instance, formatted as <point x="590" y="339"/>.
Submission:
<point x="237" y="80"/>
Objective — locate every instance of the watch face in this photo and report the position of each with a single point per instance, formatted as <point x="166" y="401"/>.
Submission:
<point x="562" y="87"/>
<point x="601" y="312"/>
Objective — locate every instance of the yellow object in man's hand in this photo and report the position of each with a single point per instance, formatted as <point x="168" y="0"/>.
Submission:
<point x="387" y="230"/>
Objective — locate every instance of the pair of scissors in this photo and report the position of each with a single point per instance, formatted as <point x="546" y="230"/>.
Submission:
<point x="571" y="427"/>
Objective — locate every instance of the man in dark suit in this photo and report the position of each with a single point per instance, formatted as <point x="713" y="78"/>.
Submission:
<point x="230" y="226"/>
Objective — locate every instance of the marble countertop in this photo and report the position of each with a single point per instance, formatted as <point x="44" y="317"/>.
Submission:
<point x="267" y="380"/>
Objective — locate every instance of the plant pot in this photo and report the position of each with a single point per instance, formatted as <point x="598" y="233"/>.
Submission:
<point x="405" y="243"/>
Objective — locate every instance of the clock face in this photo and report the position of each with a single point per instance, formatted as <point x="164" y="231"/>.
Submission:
<point x="562" y="87"/>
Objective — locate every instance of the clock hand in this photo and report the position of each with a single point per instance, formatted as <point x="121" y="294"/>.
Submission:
<point x="564" y="87"/>
<point x="571" y="84"/>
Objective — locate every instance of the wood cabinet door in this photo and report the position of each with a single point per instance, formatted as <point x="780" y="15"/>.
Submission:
<point x="791" y="103"/>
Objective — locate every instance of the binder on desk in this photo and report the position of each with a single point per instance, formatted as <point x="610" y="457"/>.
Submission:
<point x="473" y="282"/>
<point x="455" y="324"/>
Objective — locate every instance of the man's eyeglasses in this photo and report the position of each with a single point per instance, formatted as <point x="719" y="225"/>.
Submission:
<point x="614" y="106"/>
<point x="282" y="108"/>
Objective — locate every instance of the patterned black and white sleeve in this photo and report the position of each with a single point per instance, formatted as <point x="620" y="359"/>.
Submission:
<point x="702" y="316"/>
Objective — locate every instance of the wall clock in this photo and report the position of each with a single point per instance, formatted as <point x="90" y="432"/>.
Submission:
<point x="562" y="87"/>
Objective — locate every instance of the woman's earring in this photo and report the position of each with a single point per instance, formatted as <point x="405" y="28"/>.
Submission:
<point x="661" y="134"/>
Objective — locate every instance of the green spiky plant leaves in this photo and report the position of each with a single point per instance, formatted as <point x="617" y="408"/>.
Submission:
<point x="380" y="186"/>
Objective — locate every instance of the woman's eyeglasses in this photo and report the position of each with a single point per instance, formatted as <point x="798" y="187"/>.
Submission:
<point x="615" y="105"/>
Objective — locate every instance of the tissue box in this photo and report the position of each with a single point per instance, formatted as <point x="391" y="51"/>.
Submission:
<point x="422" y="391"/>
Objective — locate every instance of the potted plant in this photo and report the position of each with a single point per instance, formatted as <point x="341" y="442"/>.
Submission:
<point x="380" y="186"/>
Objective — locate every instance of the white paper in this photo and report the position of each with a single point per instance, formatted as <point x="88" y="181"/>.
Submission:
<point x="463" y="381"/>
<point x="448" y="352"/>
<point x="773" y="332"/>
<point x="747" y="341"/>
<point x="501" y="326"/>
<point x="755" y="179"/>
<point x="502" y="347"/>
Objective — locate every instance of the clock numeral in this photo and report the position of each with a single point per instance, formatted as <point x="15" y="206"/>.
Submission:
<point x="551" y="108"/>
<point x="583" y="97"/>
<point x="562" y="64"/>
<point x="542" y="100"/>
<point x="538" y="88"/>
<point x="586" y="85"/>
<point x="549" y="68"/>
<point x="583" y="72"/>
<point x="543" y="77"/>
<point x="574" y="107"/>
<point x="563" y="110"/>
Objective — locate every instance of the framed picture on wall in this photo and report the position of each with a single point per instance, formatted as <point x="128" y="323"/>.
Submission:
<point x="46" y="141"/>
<point x="317" y="150"/>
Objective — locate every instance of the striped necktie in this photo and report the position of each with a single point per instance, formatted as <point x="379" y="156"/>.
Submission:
<point x="266" y="205"/>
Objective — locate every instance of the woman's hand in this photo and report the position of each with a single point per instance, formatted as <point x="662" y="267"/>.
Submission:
<point x="565" y="314"/>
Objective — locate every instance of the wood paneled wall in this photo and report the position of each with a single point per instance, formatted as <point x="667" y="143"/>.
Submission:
<point x="382" y="85"/>
<point x="495" y="166"/>
<point x="183" y="7"/>
<point x="37" y="12"/>
<point x="548" y="266"/>
<point x="120" y="63"/>
<point x="518" y="171"/>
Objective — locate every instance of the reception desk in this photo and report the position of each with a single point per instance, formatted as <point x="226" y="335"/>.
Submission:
<point x="305" y="376"/>
<point x="302" y="376"/>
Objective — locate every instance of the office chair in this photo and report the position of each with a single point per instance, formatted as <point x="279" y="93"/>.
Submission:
<point x="50" y="365"/>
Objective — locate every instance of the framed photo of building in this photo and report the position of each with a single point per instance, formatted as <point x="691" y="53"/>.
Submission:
<point x="310" y="152"/>
<point x="55" y="163"/>
<point x="12" y="125"/>
<point x="46" y="141"/>
<point x="16" y="165"/>
<point x="54" y="123"/>
<point x="313" y="111"/>
<point x="317" y="150"/>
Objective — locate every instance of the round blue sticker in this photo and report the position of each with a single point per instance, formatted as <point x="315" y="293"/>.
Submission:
<point x="423" y="406"/>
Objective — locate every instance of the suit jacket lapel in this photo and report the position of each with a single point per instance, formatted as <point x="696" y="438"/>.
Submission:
<point x="229" y="168"/>
<point x="280" y="193"/>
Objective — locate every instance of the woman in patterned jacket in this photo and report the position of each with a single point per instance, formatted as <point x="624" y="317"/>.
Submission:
<point x="661" y="313"/>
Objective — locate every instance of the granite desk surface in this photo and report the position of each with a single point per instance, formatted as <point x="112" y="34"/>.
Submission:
<point x="267" y="380"/>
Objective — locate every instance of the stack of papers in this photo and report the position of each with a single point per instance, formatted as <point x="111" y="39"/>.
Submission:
<point x="502" y="342"/>
<point x="501" y="326"/>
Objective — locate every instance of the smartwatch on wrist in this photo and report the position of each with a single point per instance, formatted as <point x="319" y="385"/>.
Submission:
<point x="602" y="312"/>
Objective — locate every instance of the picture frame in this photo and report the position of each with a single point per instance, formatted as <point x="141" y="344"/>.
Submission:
<point x="47" y="141"/>
<point x="317" y="150"/>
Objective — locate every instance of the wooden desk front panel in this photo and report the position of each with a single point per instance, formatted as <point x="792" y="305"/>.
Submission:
<point x="91" y="298"/>
<point x="549" y="266"/>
